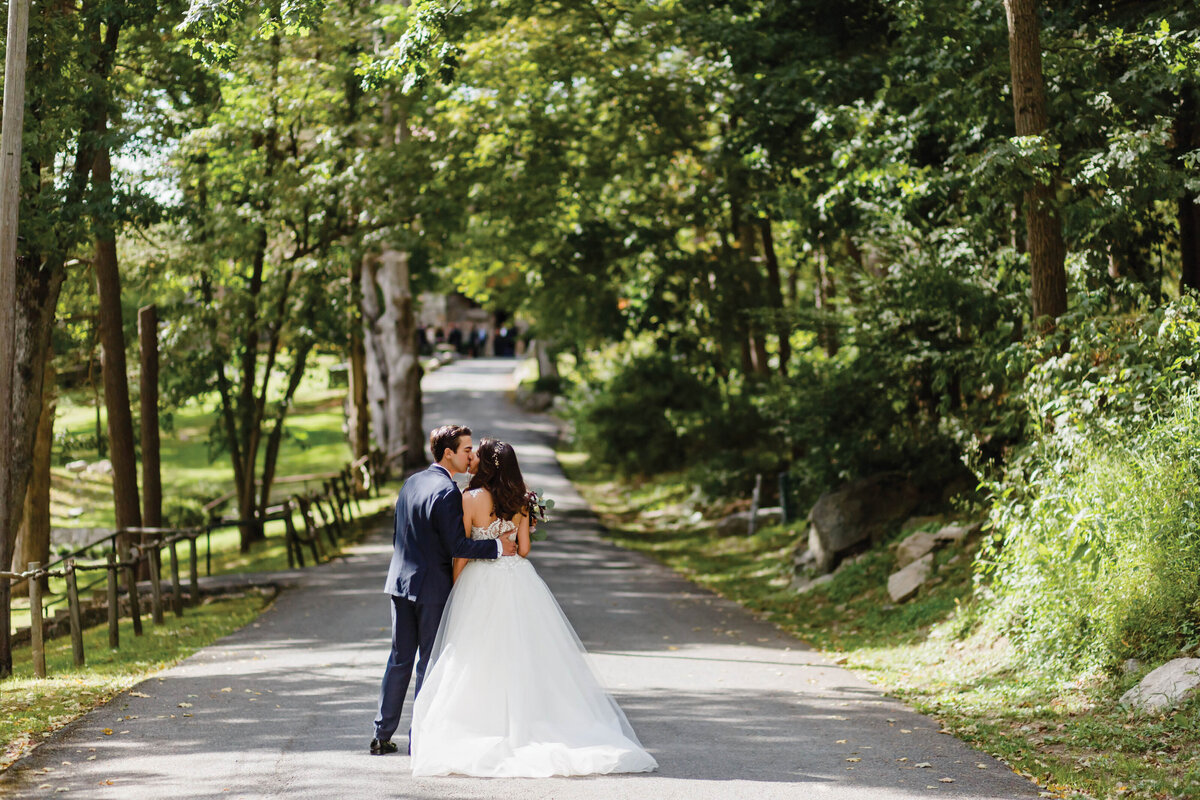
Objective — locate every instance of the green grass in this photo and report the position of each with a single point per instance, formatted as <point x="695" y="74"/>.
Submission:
<point x="1065" y="731"/>
<point x="32" y="708"/>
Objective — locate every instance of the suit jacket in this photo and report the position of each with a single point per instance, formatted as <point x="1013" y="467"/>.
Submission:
<point x="428" y="535"/>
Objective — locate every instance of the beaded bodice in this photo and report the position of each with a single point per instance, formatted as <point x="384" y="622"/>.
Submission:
<point x="498" y="528"/>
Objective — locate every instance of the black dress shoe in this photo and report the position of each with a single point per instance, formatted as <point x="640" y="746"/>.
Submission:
<point x="379" y="748"/>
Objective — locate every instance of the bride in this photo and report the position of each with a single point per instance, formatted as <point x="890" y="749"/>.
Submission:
<point x="548" y="715"/>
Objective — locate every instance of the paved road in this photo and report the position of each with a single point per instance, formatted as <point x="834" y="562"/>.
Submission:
<point x="730" y="707"/>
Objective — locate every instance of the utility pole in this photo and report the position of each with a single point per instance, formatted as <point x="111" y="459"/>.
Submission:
<point x="10" y="200"/>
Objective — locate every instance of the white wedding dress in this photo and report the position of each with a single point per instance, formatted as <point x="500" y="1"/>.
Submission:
<point x="509" y="692"/>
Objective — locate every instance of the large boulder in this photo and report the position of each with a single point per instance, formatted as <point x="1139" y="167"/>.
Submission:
<point x="905" y="583"/>
<point x="913" y="547"/>
<point x="1165" y="687"/>
<point x="861" y="511"/>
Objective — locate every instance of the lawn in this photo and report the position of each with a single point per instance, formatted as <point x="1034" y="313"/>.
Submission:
<point x="1065" y="731"/>
<point x="31" y="708"/>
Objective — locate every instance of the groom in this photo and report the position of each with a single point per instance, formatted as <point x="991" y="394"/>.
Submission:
<point x="429" y="534"/>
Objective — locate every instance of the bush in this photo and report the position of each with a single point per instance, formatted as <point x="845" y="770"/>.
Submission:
<point x="632" y="421"/>
<point x="1098" y="558"/>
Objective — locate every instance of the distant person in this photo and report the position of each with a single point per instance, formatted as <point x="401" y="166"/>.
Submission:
<point x="455" y="338"/>
<point x="481" y="344"/>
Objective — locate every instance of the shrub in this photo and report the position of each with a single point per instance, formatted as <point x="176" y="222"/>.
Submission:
<point x="1098" y="558"/>
<point x="632" y="420"/>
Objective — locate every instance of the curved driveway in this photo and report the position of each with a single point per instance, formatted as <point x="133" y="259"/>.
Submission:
<point x="730" y="706"/>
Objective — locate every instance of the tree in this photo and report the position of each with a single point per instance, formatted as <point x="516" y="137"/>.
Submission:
<point x="1043" y="225"/>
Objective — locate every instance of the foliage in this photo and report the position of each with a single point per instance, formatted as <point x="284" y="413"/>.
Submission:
<point x="1097" y="558"/>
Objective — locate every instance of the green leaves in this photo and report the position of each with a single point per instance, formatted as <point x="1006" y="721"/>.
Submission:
<point x="421" y="52"/>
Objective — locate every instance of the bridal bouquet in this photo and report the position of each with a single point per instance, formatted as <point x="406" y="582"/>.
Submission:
<point x="538" y="506"/>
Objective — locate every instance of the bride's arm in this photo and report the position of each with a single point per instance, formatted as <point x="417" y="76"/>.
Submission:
<point x="468" y="515"/>
<point x="523" y="542"/>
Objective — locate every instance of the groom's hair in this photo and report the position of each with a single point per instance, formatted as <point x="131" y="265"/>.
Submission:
<point x="446" y="438"/>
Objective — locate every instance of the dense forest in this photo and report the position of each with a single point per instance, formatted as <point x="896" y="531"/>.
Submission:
<point x="955" y="238"/>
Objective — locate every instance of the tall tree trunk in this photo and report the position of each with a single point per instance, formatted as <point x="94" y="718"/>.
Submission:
<point x="393" y="366"/>
<point x="1187" y="139"/>
<point x="275" y="438"/>
<point x="359" y="410"/>
<point x="823" y="294"/>
<point x="783" y="331"/>
<point x="148" y="395"/>
<point x="1047" y="251"/>
<point x="112" y="360"/>
<point x="33" y="540"/>
<point x="248" y="413"/>
<point x="10" y="201"/>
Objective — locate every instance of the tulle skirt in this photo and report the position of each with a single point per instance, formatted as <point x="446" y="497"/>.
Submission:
<point x="510" y="692"/>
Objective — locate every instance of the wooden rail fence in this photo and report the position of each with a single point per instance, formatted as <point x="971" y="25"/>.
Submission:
<point x="334" y="502"/>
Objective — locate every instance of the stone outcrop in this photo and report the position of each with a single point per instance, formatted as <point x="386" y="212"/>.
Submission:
<point x="904" y="584"/>
<point x="859" y="512"/>
<point x="1166" y="687"/>
<point x="914" y="547"/>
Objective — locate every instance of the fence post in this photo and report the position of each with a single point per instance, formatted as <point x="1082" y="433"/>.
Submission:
<point x="334" y="503"/>
<point x="37" y="643"/>
<point x="754" y="503"/>
<point x="784" y="504"/>
<point x="156" y="606"/>
<point x="289" y="536"/>
<point x="176" y="588"/>
<point x="114" y="630"/>
<point x="76" y="621"/>
<point x="352" y="489"/>
<point x="194" y="571"/>
<point x="135" y="606"/>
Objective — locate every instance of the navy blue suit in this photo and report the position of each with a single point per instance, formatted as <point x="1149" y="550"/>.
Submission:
<point x="428" y="536"/>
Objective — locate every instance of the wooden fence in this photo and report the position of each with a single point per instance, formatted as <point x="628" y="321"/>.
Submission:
<point x="334" y="503"/>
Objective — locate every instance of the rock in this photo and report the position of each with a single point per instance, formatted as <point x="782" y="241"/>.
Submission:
<point x="952" y="534"/>
<point x="904" y="584"/>
<point x="912" y="523"/>
<point x="533" y="400"/>
<point x="739" y="524"/>
<point x="913" y="547"/>
<point x="801" y="585"/>
<point x="77" y="466"/>
<point x="1131" y="666"/>
<point x="1165" y="687"/>
<point x="860" y="511"/>
<point x="102" y="467"/>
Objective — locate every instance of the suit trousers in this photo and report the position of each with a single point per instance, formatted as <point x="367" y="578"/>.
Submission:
<point x="414" y="627"/>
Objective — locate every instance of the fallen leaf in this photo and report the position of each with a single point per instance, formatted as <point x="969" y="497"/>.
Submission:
<point x="108" y="731"/>
<point x="905" y="730"/>
<point x="982" y="766"/>
<point x="138" y="694"/>
<point x="185" y="705"/>
<point x="905" y="758"/>
<point x="227" y="689"/>
<point x="840" y="741"/>
<point x="946" y="780"/>
<point x="923" y="765"/>
<point x="854" y="760"/>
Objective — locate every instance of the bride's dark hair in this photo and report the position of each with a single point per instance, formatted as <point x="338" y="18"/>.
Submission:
<point x="500" y="474"/>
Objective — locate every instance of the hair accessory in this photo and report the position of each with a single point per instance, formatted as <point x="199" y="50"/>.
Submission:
<point x="496" y="458"/>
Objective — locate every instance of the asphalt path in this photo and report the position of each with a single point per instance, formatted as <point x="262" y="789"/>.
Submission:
<point x="729" y="705"/>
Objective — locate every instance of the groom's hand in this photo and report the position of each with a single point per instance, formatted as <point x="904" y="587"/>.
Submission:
<point x="508" y="545"/>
